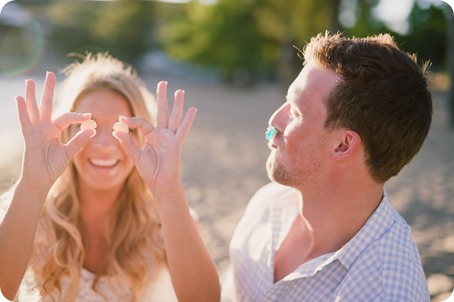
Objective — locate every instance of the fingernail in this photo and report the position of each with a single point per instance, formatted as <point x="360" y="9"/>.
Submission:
<point x="122" y="127"/>
<point x="88" y="124"/>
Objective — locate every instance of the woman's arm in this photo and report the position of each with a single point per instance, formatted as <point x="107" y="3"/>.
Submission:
<point x="45" y="158"/>
<point x="17" y="232"/>
<point x="191" y="267"/>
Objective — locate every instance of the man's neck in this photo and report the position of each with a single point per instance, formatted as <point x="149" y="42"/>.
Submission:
<point x="335" y="216"/>
<point x="325" y="223"/>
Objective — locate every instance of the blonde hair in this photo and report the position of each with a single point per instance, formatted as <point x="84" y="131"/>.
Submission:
<point x="135" y="247"/>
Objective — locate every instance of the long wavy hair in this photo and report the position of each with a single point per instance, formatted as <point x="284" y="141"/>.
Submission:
<point x="135" y="248"/>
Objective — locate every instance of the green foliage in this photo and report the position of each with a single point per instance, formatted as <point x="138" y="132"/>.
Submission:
<point x="121" y="27"/>
<point x="366" y="24"/>
<point x="296" y="20"/>
<point x="427" y="28"/>
<point x="427" y="36"/>
<point x="246" y="35"/>
<point x="292" y="23"/>
<point x="224" y="36"/>
<point x="250" y="36"/>
<point x="20" y="47"/>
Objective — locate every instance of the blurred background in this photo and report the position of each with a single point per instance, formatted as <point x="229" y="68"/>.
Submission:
<point x="235" y="59"/>
<point x="237" y="41"/>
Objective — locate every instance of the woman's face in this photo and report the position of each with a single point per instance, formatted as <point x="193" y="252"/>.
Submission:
<point x="103" y="164"/>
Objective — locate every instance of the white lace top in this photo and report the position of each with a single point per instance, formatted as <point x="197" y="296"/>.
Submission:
<point x="160" y="289"/>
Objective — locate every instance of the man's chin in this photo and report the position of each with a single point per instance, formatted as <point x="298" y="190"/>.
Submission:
<point x="275" y="173"/>
<point x="270" y="168"/>
<point x="278" y="174"/>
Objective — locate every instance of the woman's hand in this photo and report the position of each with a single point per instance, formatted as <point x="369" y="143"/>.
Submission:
<point x="159" y="159"/>
<point x="159" y="163"/>
<point x="45" y="156"/>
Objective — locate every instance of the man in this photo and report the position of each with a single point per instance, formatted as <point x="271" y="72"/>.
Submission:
<point x="324" y="230"/>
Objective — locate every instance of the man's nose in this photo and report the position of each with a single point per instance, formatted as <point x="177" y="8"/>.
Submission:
<point x="280" y="117"/>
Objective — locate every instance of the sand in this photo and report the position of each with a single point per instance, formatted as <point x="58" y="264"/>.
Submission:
<point x="224" y="164"/>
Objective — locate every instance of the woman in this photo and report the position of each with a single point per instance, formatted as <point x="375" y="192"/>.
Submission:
<point x="114" y="224"/>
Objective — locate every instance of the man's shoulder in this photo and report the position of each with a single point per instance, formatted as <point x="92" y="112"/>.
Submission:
<point x="391" y="266"/>
<point x="394" y="250"/>
<point x="399" y="253"/>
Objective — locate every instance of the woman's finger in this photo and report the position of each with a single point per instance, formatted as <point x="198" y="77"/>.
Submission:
<point x="138" y="123"/>
<point x="177" y="110"/>
<point x="45" y="107"/>
<point x="70" y="118"/>
<point x="26" y="124"/>
<point x="162" y="117"/>
<point x="128" y="145"/>
<point x="76" y="143"/>
<point x="30" y="100"/>
<point x="186" y="124"/>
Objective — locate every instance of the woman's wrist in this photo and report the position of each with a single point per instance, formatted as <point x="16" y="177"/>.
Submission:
<point x="38" y="188"/>
<point x="168" y="193"/>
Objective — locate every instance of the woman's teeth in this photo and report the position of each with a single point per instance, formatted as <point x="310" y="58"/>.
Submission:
<point x="104" y="162"/>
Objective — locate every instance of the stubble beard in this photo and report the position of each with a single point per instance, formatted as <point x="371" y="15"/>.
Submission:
<point x="278" y="173"/>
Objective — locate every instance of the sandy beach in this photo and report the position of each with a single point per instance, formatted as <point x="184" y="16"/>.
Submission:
<point x="224" y="164"/>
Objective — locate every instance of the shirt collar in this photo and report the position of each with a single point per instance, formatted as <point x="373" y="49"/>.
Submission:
<point x="378" y="223"/>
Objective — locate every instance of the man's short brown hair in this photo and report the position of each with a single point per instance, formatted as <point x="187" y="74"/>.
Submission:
<point x="383" y="96"/>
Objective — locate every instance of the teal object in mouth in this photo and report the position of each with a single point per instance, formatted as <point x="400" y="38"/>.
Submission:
<point x="270" y="133"/>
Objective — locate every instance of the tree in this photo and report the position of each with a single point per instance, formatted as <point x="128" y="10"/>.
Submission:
<point x="248" y="35"/>
<point x="451" y="65"/>
<point x="224" y="36"/>
<point x="291" y="24"/>
<point x="121" y="27"/>
<point x="366" y="23"/>
<point x="429" y="26"/>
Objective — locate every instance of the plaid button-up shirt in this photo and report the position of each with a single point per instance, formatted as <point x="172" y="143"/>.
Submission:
<point x="380" y="263"/>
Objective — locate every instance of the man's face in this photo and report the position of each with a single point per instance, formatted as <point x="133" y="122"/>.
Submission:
<point x="301" y="149"/>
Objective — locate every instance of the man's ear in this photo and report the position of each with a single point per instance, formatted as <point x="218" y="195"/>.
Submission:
<point x="348" y="144"/>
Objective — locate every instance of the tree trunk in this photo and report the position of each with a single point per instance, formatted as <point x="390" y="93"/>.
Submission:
<point x="451" y="65"/>
<point x="335" y="25"/>
<point x="289" y="64"/>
